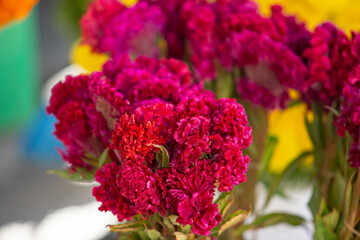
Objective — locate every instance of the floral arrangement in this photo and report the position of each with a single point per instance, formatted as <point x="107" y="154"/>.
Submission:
<point x="167" y="142"/>
<point x="170" y="155"/>
<point x="14" y="10"/>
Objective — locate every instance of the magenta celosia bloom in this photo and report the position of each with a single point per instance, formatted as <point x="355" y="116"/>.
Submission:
<point x="132" y="108"/>
<point x="331" y="57"/>
<point x="268" y="65"/>
<point x="109" y="194"/>
<point x="268" y="51"/>
<point x="135" y="31"/>
<point x="231" y="33"/>
<point x="193" y="190"/>
<point x="349" y="120"/>
<point x="80" y="127"/>
<point x="138" y="184"/>
<point x="135" y="141"/>
<point x="96" y="18"/>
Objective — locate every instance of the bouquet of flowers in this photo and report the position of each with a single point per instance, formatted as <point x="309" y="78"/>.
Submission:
<point x="168" y="141"/>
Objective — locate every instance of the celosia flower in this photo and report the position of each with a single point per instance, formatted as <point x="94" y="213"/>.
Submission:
<point x="80" y="127"/>
<point x="135" y="31"/>
<point x="14" y="10"/>
<point x="269" y="66"/>
<point x="141" y="105"/>
<point x="135" y="141"/>
<point x="137" y="183"/>
<point x="109" y="194"/>
<point x="330" y="61"/>
<point x="194" y="192"/>
<point x="349" y="120"/>
<point x="88" y="106"/>
<point x="98" y="14"/>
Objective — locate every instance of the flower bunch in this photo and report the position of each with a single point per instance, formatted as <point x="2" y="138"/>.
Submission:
<point x="161" y="145"/>
<point x="230" y="33"/>
<point x="171" y="142"/>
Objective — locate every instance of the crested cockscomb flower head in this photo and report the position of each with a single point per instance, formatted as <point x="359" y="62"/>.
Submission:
<point x="80" y="127"/>
<point x="349" y="120"/>
<point x="98" y="15"/>
<point x="269" y="66"/>
<point x="168" y="140"/>
<point x="109" y="194"/>
<point x="193" y="191"/>
<point x="135" y="139"/>
<point x="136" y="30"/>
<point x="331" y="59"/>
<point x="137" y="183"/>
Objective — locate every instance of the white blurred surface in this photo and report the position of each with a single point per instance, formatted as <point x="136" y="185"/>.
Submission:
<point x="296" y="204"/>
<point x="84" y="222"/>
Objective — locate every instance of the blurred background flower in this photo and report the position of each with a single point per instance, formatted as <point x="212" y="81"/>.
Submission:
<point x="14" y="10"/>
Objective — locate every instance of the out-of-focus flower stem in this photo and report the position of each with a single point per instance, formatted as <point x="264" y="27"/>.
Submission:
<point x="354" y="211"/>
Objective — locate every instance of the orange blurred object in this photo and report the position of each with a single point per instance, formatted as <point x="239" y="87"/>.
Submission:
<point x="11" y="10"/>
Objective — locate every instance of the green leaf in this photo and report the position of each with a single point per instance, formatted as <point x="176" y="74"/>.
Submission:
<point x="223" y="197"/>
<point x="333" y="111"/>
<point x="103" y="158"/>
<point x="173" y="219"/>
<point x="153" y="234"/>
<point x="224" y="85"/>
<point x="79" y="174"/>
<point x="310" y="131"/>
<point x="318" y="124"/>
<point x="323" y="210"/>
<point x="226" y="206"/>
<point x="272" y="219"/>
<point x="127" y="227"/>
<point x="331" y="219"/>
<point x="233" y="220"/>
<point x="141" y="235"/>
<point x="186" y="228"/>
<point x="127" y="230"/>
<point x="269" y="151"/>
<point x="285" y="175"/>
<point x="165" y="156"/>
<point x="314" y="203"/>
<point x="349" y="195"/>
<point x="170" y="227"/>
<point x="337" y="192"/>
<point x="180" y="236"/>
<point x="131" y="236"/>
<point x="224" y="202"/>
<point x="321" y="232"/>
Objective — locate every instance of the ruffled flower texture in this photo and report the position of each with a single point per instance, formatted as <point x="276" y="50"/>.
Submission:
<point x="267" y="51"/>
<point x="330" y="59"/>
<point x="109" y="26"/>
<point x="132" y="108"/>
<point x="229" y="33"/>
<point x="349" y="119"/>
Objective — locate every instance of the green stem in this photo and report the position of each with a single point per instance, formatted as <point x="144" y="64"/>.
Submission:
<point x="351" y="223"/>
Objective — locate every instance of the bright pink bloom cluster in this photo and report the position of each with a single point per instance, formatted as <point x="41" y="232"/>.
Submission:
<point x="231" y="31"/>
<point x="349" y="119"/>
<point x="264" y="50"/>
<point x="132" y="108"/>
<point x="331" y="57"/>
